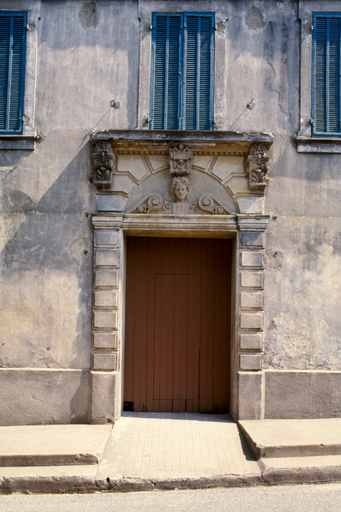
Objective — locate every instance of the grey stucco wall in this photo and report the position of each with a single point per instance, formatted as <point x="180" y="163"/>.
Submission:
<point x="88" y="53"/>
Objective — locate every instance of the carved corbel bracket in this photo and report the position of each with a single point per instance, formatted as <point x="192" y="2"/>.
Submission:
<point x="180" y="160"/>
<point x="104" y="164"/>
<point x="257" y="167"/>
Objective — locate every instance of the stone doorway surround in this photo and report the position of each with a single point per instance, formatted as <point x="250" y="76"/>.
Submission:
<point x="178" y="184"/>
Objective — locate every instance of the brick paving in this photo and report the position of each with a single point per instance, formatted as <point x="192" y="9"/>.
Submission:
<point x="149" y="445"/>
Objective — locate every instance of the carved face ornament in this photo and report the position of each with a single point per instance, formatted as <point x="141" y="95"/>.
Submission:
<point x="181" y="187"/>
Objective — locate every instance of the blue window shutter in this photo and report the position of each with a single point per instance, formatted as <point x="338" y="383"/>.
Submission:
<point x="165" y="72"/>
<point x="182" y="71"/>
<point x="12" y="71"/>
<point x="191" y="67"/>
<point x="326" y="74"/>
<point x="173" y="86"/>
<point x="334" y="76"/>
<point x="198" y="71"/>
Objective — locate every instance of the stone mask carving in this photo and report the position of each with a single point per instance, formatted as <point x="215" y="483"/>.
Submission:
<point x="180" y="160"/>
<point x="181" y="187"/>
<point x="103" y="162"/>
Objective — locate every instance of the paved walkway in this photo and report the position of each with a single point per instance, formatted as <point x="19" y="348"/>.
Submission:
<point x="154" y="445"/>
<point x="147" y="451"/>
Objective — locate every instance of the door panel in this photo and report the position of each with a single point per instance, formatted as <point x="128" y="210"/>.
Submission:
<point x="177" y="324"/>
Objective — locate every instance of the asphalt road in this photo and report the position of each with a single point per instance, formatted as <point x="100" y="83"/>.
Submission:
<point x="294" y="498"/>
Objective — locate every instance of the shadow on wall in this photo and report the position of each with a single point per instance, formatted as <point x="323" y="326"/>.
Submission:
<point x="54" y="238"/>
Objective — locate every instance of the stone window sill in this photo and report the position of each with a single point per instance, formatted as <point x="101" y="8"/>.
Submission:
<point x="21" y="142"/>
<point x="318" y="145"/>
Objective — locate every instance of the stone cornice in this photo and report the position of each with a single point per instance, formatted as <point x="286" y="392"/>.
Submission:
<point x="202" y="142"/>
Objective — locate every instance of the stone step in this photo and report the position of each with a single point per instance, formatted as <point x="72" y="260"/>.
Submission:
<point x="293" y="438"/>
<point x="52" y="445"/>
<point x="298" y="470"/>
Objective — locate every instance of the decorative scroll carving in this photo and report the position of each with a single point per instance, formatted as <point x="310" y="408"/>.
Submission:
<point x="257" y="167"/>
<point x="180" y="160"/>
<point x="152" y="203"/>
<point x="104" y="164"/>
<point x="208" y="204"/>
<point x="181" y="188"/>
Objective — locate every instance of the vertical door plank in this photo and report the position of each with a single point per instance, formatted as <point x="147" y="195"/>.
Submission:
<point x="139" y="335"/>
<point x="157" y="338"/>
<point x="150" y="299"/>
<point x="142" y="337"/>
<point x="204" y="328"/>
<point x="193" y="337"/>
<point x="180" y="337"/>
<point x="209" y="305"/>
<point x="164" y="336"/>
<point x="129" y="324"/>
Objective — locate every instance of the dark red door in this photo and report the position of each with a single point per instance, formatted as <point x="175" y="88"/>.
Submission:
<point x="177" y="340"/>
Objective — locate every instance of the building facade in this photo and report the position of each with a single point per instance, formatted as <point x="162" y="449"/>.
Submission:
<point x="170" y="209"/>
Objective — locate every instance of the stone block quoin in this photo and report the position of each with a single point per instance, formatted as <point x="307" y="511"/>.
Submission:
<point x="106" y="297"/>
<point x="251" y="298"/>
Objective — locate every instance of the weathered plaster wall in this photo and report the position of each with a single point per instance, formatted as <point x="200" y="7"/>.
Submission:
<point x="88" y="53"/>
<point x="86" y="56"/>
<point x="303" y="264"/>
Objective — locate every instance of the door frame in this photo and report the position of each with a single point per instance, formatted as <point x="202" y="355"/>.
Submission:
<point x="247" y="233"/>
<point x="217" y="254"/>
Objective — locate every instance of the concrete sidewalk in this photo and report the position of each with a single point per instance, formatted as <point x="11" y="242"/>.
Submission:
<point x="146" y="451"/>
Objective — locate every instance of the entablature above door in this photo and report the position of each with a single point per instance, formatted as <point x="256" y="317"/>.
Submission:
<point x="180" y="172"/>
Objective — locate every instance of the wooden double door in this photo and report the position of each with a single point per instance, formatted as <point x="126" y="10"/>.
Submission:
<point x="177" y="325"/>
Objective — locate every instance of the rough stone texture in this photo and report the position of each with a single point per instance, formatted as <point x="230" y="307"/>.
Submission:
<point x="250" y="395"/>
<point x="251" y="259"/>
<point x="112" y="203"/>
<point x="105" y="319"/>
<point x="252" y="341"/>
<point x="106" y="299"/>
<point x="250" y="361"/>
<point x="252" y="239"/>
<point x="251" y="320"/>
<point x="106" y="237"/>
<point x="105" y="340"/>
<point x="105" y="389"/>
<point x="252" y="279"/>
<point x="104" y="361"/>
<point x="295" y="394"/>
<point x="31" y="397"/>
<point x="252" y="300"/>
<point x="107" y="258"/>
<point x="106" y="278"/>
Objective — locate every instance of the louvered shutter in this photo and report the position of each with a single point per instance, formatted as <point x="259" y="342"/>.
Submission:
<point x="12" y="71"/>
<point x="326" y="74"/>
<point x="165" y="72"/>
<point x="182" y="71"/>
<point x="198" y="72"/>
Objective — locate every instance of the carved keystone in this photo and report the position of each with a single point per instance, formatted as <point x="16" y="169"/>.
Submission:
<point x="104" y="164"/>
<point x="257" y="167"/>
<point x="180" y="160"/>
